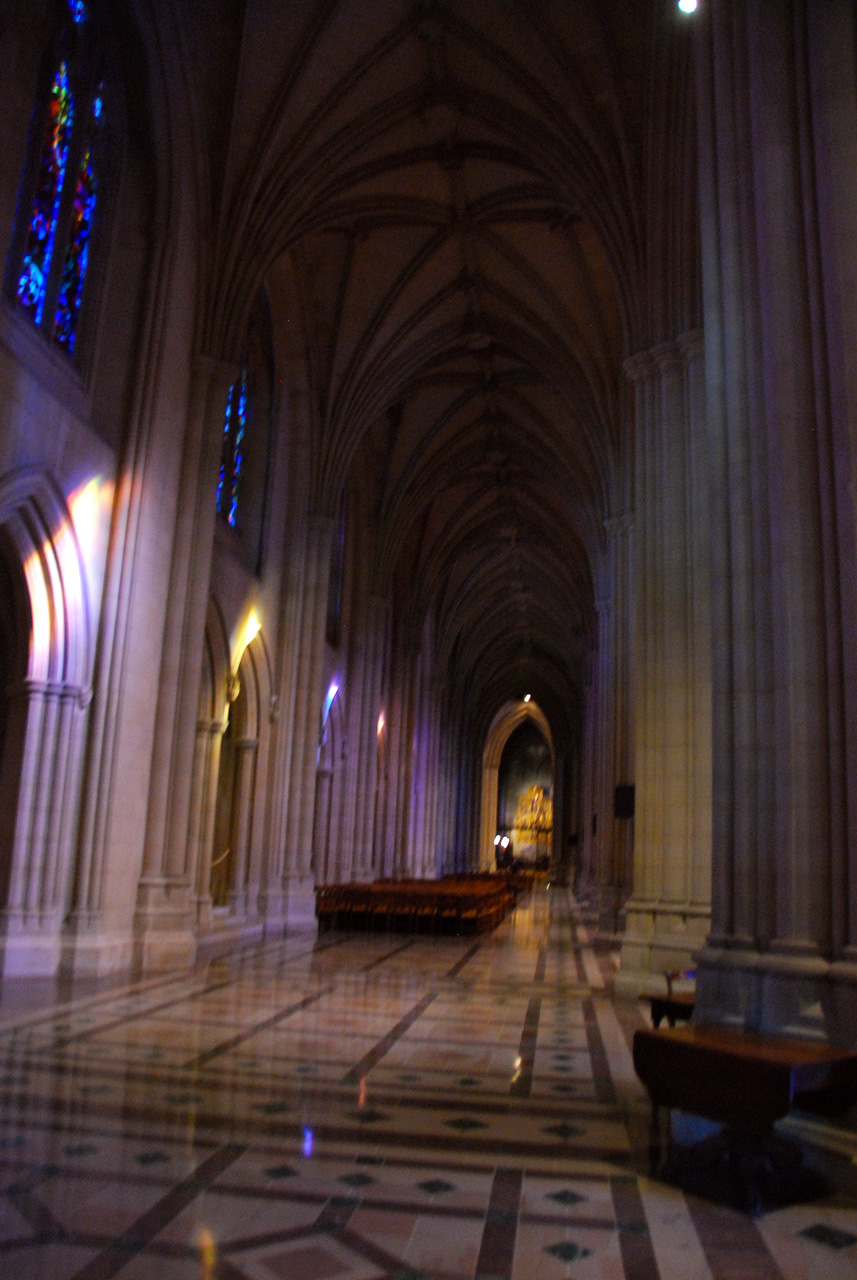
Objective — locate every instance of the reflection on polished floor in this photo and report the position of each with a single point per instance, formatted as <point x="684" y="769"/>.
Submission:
<point x="363" y="1107"/>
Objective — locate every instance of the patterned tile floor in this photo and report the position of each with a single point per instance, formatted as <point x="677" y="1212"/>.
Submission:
<point x="361" y="1108"/>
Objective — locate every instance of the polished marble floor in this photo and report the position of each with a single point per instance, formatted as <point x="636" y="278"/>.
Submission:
<point x="364" y="1107"/>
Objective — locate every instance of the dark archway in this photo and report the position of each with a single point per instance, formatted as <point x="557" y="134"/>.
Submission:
<point x="15" y="628"/>
<point x="525" y="789"/>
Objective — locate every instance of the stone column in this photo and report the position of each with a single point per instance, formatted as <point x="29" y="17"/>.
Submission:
<point x="774" y="80"/>
<point x="366" y="765"/>
<point x="208" y="738"/>
<point x="669" y="913"/>
<point x="165" y="933"/>
<point x="614" y="836"/>
<point x="49" y="718"/>
<point x="299" y="871"/>
<point x="245" y="787"/>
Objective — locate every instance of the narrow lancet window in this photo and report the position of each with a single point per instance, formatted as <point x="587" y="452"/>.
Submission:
<point x="45" y="212"/>
<point x="232" y="451"/>
<point x="77" y="253"/>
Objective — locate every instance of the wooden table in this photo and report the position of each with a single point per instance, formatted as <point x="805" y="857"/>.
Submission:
<point x="676" y="1007"/>
<point x="745" y="1080"/>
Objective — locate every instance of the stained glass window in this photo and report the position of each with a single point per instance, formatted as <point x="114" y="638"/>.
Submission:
<point x="232" y="451"/>
<point x="36" y="264"/>
<point x="77" y="253"/>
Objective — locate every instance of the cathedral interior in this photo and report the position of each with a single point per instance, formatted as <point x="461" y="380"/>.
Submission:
<point x="426" y="451"/>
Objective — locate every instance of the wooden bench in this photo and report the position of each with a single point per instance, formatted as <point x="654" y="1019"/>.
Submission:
<point x="745" y="1080"/>
<point x="460" y="905"/>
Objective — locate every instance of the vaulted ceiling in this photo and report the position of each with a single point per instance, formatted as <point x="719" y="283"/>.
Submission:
<point x="456" y="192"/>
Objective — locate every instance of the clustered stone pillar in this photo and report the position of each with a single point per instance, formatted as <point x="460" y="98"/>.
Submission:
<point x="613" y="836"/>
<point x="777" y="100"/>
<point x="306" y="725"/>
<point x="668" y="915"/>
<point x="165" y="925"/>
<point x="50" y="719"/>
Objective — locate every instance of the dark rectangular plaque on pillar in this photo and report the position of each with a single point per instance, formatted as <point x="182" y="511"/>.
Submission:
<point x="623" y="800"/>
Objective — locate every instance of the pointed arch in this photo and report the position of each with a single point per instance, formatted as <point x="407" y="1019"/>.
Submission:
<point x="509" y="718"/>
<point x="47" y="715"/>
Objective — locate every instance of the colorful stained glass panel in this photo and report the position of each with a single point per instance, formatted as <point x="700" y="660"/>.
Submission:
<point x="77" y="254"/>
<point x="36" y="264"/>
<point x="232" y="451"/>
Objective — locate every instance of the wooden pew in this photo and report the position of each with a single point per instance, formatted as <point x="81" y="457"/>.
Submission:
<point x="459" y="905"/>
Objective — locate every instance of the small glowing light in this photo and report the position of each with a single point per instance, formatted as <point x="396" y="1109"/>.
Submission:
<point x="328" y="701"/>
<point x="527" y="697"/>
<point x="688" y="6"/>
<point x="252" y="629"/>
<point x="505" y="842"/>
<point x="307" y="1146"/>
<point x="496" y="840"/>
<point x="207" y="1247"/>
<point x="381" y="723"/>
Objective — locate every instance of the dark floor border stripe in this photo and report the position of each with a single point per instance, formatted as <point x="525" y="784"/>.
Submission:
<point x="131" y="991"/>
<point x="635" y="1242"/>
<point x="197" y="994"/>
<point x="465" y="959"/>
<point x="522" y="1081"/>
<point x="136" y="1237"/>
<point x="732" y="1243"/>
<point x="208" y="1055"/>
<point x="385" y="1044"/>
<point x="604" y="1088"/>
<point x="374" y="964"/>
<point x="497" y="1250"/>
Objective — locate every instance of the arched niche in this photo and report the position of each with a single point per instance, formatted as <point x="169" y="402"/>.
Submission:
<point x="509" y="718"/>
<point x="230" y="767"/>
<point x="47" y="641"/>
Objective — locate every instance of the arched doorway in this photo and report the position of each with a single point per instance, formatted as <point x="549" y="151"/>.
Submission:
<point x="230" y="772"/>
<point x="47" y="686"/>
<point x="222" y="881"/>
<point x="525" y="788"/>
<point x="509" y="718"/>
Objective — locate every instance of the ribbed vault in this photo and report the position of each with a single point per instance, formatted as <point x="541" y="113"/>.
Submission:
<point x="454" y="192"/>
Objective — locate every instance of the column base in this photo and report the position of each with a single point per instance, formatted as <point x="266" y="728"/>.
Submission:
<point x="93" y="948"/>
<point x="609" y="906"/>
<point x="165" y="926"/>
<point x="785" y="994"/>
<point x="300" y="905"/>
<point x="659" y="938"/>
<point x="30" y="950"/>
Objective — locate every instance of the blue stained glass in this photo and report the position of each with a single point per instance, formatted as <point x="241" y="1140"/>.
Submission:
<point x="232" y="451"/>
<point x="36" y="264"/>
<point x="77" y="254"/>
<point x="224" y="449"/>
<point x="238" y="452"/>
<point x="78" y="10"/>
